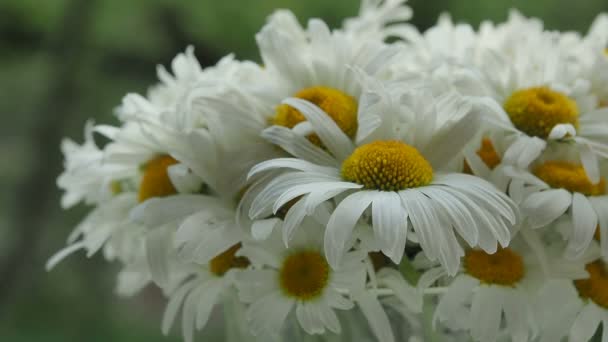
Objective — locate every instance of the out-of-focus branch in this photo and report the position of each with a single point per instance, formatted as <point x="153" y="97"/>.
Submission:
<point x="34" y="196"/>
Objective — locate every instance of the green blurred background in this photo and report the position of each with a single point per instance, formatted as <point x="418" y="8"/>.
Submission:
<point x="63" y="61"/>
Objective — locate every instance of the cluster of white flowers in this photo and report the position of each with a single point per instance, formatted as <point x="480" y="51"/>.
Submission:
<point x="438" y="185"/>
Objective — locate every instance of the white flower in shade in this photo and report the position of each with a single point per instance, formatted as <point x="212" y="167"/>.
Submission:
<point x="206" y="286"/>
<point x="546" y="98"/>
<point x="315" y="64"/>
<point x="378" y="19"/>
<point x="396" y="169"/>
<point x="575" y="309"/>
<point x="547" y="89"/>
<point x="108" y="219"/>
<point x="492" y="296"/>
<point x="556" y="187"/>
<point x="590" y="52"/>
<point x="299" y="277"/>
<point x="86" y="177"/>
<point x="169" y="92"/>
<point x="194" y="228"/>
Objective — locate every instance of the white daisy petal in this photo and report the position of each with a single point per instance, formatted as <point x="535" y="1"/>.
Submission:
<point x="389" y="223"/>
<point x="174" y="304"/>
<point x="261" y="229"/>
<point x="486" y="313"/>
<point x="586" y="324"/>
<point x="376" y="316"/>
<point x="407" y="294"/>
<point x="291" y="163"/>
<point x="297" y="145"/>
<point x="267" y="314"/>
<point x="157" y="249"/>
<point x="590" y="163"/>
<point x="208" y="297"/>
<point x="341" y="224"/>
<point x="542" y="208"/>
<point x="330" y="134"/>
<point x="584" y="220"/>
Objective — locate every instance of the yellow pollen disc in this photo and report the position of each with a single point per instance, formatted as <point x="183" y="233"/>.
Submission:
<point x="227" y="260"/>
<point x="536" y="111"/>
<point x="595" y="287"/>
<point x="388" y="166"/>
<point x="488" y="155"/>
<point x="341" y="107"/>
<point x="155" y="181"/>
<point x="569" y="176"/>
<point x="504" y="267"/>
<point x="304" y="275"/>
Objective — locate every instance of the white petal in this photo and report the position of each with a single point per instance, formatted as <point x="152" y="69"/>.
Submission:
<point x="174" y="304"/>
<point x="309" y="318"/>
<point x="561" y="131"/>
<point x="486" y="313"/>
<point x="62" y="254"/>
<point x="407" y="294"/>
<point x="261" y="229"/>
<point x="294" y="217"/>
<point x="341" y="224"/>
<point x="297" y="145"/>
<point x="158" y="242"/>
<point x="208" y="297"/>
<point x="254" y="284"/>
<point x="267" y="314"/>
<point x="389" y="223"/>
<point x="586" y="324"/>
<point x="600" y="205"/>
<point x="158" y="211"/>
<point x="544" y="207"/>
<point x="376" y="316"/>
<point x="328" y="131"/>
<point x="295" y="164"/>
<point x="584" y="221"/>
<point x="517" y="318"/>
<point x="590" y="163"/>
<point x="184" y="180"/>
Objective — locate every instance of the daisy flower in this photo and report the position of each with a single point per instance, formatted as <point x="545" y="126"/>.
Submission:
<point x="206" y="286"/>
<point x="554" y="187"/>
<point x="489" y="286"/>
<point x="581" y="309"/>
<point x="282" y="279"/>
<point x="312" y="63"/>
<point x="545" y="99"/>
<point x="86" y="177"/>
<point x="396" y="171"/>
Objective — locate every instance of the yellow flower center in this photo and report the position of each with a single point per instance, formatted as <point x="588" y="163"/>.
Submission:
<point x="304" y="275"/>
<point x="505" y="267"/>
<point x="569" y="176"/>
<point x="155" y="181"/>
<point x="341" y="107"/>
<point x="488" y="155"/>
<point x="535" y="111"/>
<point x="388" y="166"/>
<point x="595" y="287"/>
<point x="227" y="260"/>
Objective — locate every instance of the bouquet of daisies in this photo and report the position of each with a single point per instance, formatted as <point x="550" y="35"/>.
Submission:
<point x="368" y="183"/>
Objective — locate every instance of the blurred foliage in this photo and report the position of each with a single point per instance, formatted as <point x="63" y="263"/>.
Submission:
<point x="63" y="61"/>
